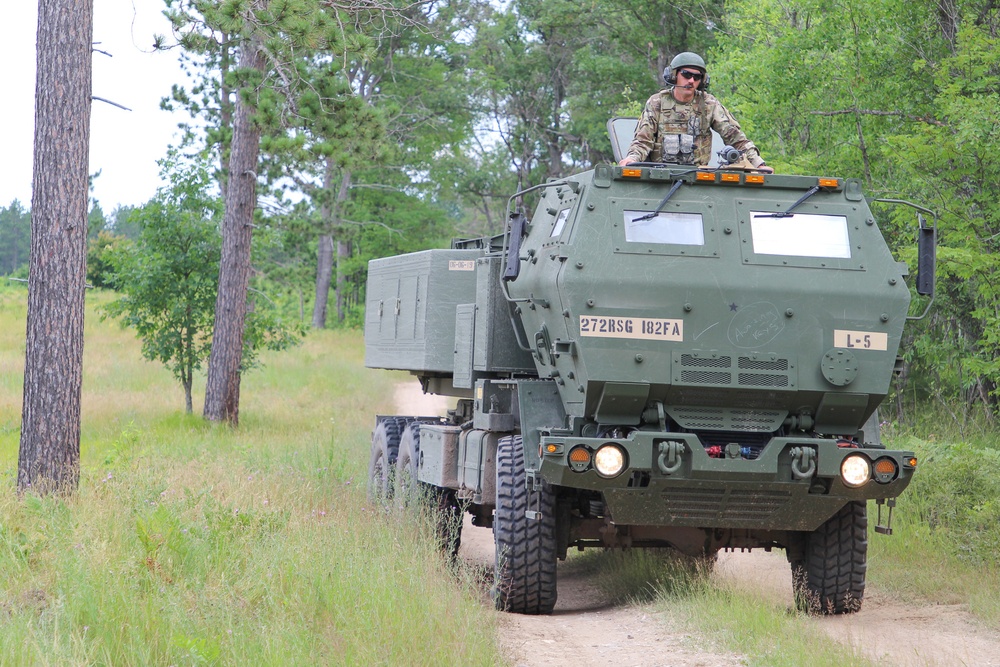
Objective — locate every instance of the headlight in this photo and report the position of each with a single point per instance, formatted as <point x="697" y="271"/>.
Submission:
<point x="609" y="460"/>
<point x="856" y="470"/>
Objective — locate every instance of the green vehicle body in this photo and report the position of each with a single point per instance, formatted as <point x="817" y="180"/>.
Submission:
<point x="734" y="347"/>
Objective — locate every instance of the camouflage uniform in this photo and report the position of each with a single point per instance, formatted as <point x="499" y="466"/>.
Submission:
<point x="673" y="131"/>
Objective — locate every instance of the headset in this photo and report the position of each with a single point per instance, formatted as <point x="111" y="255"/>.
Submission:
<point x="670" y="78"/>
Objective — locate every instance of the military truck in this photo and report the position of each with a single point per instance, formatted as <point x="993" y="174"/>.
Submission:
<point x="660" y="356"/>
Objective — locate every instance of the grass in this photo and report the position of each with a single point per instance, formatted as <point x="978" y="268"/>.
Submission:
<point x="946" y="541"/>
<point x="944" y="550"/>
<point x="192" y="543"/>
<point x="762" y="633"/>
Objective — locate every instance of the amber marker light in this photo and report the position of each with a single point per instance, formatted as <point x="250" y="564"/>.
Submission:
<point x="730" y="178"/>
<point x="632" y="173"/>
<point x="755" y="178"/>
<point x="705" y="176"/>
<point x="829" y="183"/>
<point x="910" y="462"/>
<point x="579" y="459"/>
<point x="884" y="470"/>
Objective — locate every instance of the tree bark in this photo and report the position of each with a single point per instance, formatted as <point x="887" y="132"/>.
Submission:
<point x="330" y="216"/>
<point x="324" y="251"/>
<point x="324" y="272"/>
<point x="49" y="456"/>
<point x="343" y="253"/>
<point x="222" y="390"/>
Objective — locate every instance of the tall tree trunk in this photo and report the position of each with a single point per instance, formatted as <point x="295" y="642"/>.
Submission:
<point x="324" y="250"/>
<point x="49" y="456"/>
<point x="225" y="112"/>
<point x="330" y="216"/>
<point x="222" y="389"/>
<point x="324" y="272"/>
<point x="342" y="246"/>
<point x="343" y="252"/>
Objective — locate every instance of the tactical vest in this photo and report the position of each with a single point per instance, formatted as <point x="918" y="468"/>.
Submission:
<point x="684" y="131"/>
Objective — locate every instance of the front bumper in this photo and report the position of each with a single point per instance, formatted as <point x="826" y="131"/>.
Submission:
<point x="670" y="479"/>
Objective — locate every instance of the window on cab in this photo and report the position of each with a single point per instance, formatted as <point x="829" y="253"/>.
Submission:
<point x="560" y="222"/>
<point x="665" y="228"/>
<point x="800" y="235"/>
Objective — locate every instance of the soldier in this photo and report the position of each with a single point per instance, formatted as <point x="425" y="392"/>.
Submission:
<point x="676" y="122"/>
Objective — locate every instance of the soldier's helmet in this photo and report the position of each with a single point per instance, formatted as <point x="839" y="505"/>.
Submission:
<point x="687" y="59"/>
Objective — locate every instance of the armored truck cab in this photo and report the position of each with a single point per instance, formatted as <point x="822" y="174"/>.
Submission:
<point x="660" y="356"/>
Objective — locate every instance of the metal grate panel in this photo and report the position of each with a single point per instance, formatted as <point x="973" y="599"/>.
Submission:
<point x="707" y="362"/>
<point x="706" y="377"/>
<point x="762" y="380"/>
<point x="726" y="419"/>
<point x="750" y="364"/>
<point x="716" y="505"/>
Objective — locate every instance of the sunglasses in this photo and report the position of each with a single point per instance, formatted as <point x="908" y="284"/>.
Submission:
<point x="694" y="76"/>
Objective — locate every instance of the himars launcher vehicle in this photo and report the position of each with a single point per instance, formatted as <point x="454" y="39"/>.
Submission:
<point x="660" y="356"/>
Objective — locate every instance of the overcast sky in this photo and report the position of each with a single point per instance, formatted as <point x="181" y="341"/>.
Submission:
<point x="124" y="145"/>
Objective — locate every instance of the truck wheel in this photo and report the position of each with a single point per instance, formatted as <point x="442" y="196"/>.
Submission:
<point x="830" y="577"/>
<point x="381" y="464"/>
<point x="448" y="516"/>
<point x="525" y="548"/>
<point x="406" y="489"/>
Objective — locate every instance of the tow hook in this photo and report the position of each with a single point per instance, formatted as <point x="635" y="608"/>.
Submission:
<point x="803" y="462"/>
<point x="671" y="456"/>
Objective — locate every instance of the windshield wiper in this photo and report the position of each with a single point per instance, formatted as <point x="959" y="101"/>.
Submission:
<point x="649" y="216"/>
<point x="788" y="211"/>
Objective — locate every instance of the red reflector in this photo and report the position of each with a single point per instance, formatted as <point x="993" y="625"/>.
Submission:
<point x="632" y="173"/>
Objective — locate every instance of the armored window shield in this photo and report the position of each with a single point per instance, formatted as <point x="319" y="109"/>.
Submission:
<point x="800" y="235"/>
<point x="665" y="228"/>
<point x="560" y="222"/>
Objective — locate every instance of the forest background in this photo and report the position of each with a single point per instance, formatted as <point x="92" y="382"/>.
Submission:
<point x="419" y="123"/>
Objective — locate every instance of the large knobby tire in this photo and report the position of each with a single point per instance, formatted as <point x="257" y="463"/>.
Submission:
<point x="448" y="516"/>
<point x="409" y="492"/>
<point x="830" y="578"/>
<point x="525" y="548"/>
<point x="382" y="462"/>
<point x="406" y="489"/>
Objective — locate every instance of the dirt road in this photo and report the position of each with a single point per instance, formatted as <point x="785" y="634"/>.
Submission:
<point x="585" y="631"/>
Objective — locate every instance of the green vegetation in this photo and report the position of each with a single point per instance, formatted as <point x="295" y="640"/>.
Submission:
<point x="945" y="549"/>
<point x="190" y="543"/>
<point x="946" y="545"/>
<point x="168" y="277"/>
<point x="734" y="619"/>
